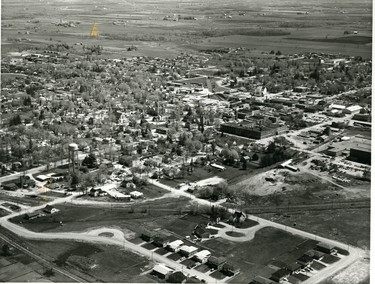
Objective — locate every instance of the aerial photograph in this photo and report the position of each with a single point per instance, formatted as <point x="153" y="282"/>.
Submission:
<point x="185" y="141"/>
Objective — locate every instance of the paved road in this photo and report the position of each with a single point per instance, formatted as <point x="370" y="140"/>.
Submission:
<point x="38" y="169"/>
<point x="90" y="237"/>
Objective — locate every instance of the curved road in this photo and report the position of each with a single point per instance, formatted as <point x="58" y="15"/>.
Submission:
<point x="355" y="253"/>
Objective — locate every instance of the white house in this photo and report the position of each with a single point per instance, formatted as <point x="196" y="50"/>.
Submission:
<point x="202" y="256"/>
<point x="175" y="245"/>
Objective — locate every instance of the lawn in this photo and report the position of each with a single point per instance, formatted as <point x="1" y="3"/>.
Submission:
<point x="161" y="251"/>
<point x="317" y="265"/>
<point x="202" y="268"/>
<point x="174" y="256"/>
<point x="269" y="243"/>
<point x="218" y="275"/>
<point x="235" y="234"/>
<point x="149" y="246"/>
<point x="3" y="212"/>
<point x="53" y="194"/>
<point x="330" y="259"/>
<point x="184" y="226"/>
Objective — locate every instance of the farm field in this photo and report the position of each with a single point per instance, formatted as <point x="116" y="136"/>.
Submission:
<point x="258" y="26"/>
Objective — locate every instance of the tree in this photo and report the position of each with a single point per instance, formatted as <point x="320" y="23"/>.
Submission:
<point x="90" y="161"/>
<point x="15" y="120"/>
<point x="74" y="181"/>
<point x="6" y="250"/>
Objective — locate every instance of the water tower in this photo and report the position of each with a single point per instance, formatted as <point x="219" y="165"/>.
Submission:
<point x="73" y="156"/>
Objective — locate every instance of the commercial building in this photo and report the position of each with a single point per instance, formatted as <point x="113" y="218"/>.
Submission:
<point x="360" y="150"/>
<point x="248" y="130"/>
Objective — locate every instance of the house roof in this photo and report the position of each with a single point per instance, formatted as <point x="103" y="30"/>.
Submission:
<point x="176" y="277"/>
<point x="162" y="269"/>
<point x="175" y="244"/>
<point x="217" y="260"/>
<point x="305" y="259"/>
<point x="280" y="273"/>
<point x="188" y="249"/>
<point x="203" y="254"/>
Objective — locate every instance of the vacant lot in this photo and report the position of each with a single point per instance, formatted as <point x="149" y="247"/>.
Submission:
<point x="81" y="218"/>
<point x="350" y="226"/>
<point x="109" y="263"/>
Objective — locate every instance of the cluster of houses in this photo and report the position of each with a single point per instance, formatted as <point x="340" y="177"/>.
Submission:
<point x="190" y="254"/>
<point x="283" y="272"/>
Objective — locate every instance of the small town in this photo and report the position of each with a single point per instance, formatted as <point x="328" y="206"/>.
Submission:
<point x="205" y="167"/>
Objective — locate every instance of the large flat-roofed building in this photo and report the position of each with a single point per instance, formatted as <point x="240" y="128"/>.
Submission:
<point x="360" y="149"/>
<point x="249" y="130"/>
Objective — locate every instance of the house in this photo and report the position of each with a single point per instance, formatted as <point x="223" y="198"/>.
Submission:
<point x="94" y="192"/>
<point x="294" y="267"/>
<point x="326" y="248"/>
<point x="32" y="215"/>
<point x="187" y="251"/>
<point x="229" y="270"/>
<point x="239" y="217"/>
<point x="202" y="256"/>
<point x="280" y="275"/>
<point x="175" y="245"/>
<point x="317" y="255"/>
<point x="201" y="232"/>
<point x="277" y="264"/>
<point x="161" y="241"/>
<point x="50" y="210"/>
<point x="177" y="277"/>
<point x="305" y="260"/>
<point x="148" y="236"/>
<point x="216" y="262"/>
<point x="162" y="271"/>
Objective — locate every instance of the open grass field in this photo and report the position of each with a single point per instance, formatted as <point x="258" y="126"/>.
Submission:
<point x="129" y="219"/>
<point x="350" y="226"/>
<point x="105" y="257"/>
<point x="252" y="256"/>
<point x="293" y="26"/>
